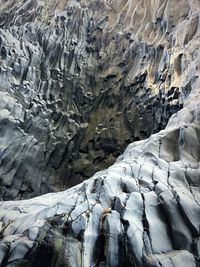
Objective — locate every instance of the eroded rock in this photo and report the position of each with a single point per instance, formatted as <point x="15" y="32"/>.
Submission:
<point x="85" y="79"/>
<point x="81" y="80"/>
<point x="141" y="211"/>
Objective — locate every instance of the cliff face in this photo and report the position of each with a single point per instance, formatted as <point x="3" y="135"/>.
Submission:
<point x="142" y="211"/>
<point x="80" y="80"/>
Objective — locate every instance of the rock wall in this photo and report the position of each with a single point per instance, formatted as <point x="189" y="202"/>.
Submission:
<point x="80" y="80"/>
<point x="142" y="211"/>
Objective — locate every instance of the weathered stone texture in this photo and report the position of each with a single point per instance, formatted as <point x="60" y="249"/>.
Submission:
<point x="80" y="80"/>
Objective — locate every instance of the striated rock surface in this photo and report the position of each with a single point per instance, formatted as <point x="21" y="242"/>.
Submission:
<point x="142" y="211"/>
<point x="80" y="80"/>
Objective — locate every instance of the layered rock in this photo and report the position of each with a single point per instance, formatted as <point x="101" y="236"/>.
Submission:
<point x="80" y="80"/>
<point x="142" y="211"/>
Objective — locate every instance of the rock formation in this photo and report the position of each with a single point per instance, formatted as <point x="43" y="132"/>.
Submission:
<point x="79" y="81"/>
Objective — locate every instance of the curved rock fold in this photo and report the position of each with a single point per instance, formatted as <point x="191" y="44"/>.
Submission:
<point x="80" y="80"/>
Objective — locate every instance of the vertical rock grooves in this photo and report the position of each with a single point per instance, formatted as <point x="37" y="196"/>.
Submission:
<point x="79" y="81"/>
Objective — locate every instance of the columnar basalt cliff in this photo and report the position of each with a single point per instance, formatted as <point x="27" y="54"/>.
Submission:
<point x="79" y="81"/>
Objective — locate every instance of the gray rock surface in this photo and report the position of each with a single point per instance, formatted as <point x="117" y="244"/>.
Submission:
<point x="142" y="211"/>
<point x="80" y="79"/>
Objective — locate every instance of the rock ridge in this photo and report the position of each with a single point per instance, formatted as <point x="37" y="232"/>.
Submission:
<point x="80" y="80"/>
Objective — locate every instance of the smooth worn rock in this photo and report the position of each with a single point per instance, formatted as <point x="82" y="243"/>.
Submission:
<point x="79" y="81"/>
<point x="141" y="211"/>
